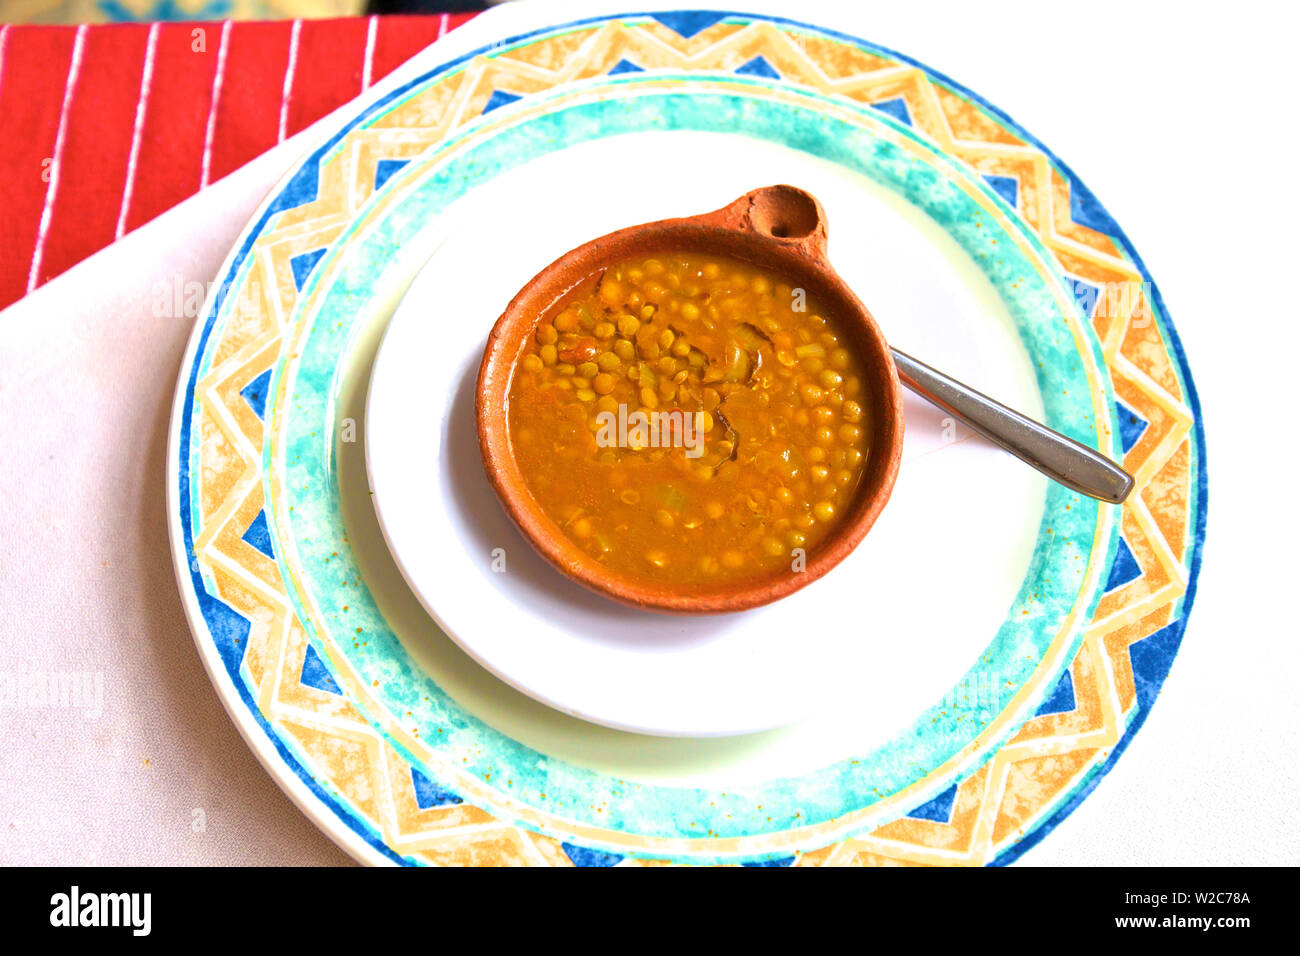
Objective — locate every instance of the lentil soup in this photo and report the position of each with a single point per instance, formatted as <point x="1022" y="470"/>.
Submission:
<point x="690" y="419"/>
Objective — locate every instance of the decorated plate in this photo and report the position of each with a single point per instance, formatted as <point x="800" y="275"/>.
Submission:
<point x="947" y="695"/>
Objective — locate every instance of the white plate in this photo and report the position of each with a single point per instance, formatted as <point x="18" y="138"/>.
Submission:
<point x="913" y="604"/>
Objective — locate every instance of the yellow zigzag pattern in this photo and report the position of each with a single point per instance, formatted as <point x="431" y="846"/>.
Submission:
<point x="998" y="802"/>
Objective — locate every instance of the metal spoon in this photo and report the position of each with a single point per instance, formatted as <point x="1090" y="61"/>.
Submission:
<point x="1062" y="459"/>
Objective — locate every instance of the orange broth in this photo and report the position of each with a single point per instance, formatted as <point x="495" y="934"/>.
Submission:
<point x="690" y="419"/>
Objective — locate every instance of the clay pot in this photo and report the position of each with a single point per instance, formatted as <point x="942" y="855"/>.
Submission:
<point x="779" y="228"/>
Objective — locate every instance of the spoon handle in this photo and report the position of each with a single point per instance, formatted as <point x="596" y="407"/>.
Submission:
<point x="1060" y="458"/>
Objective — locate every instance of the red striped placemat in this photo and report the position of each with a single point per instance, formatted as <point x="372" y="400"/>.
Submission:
<point x="102" y="128"/>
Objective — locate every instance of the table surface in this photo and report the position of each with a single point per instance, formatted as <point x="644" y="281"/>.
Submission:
<point x="1176" y="147"/>
<point x="104" y="127"/>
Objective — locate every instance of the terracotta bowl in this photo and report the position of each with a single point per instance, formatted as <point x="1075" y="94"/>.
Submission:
<point x="780" y="228"/>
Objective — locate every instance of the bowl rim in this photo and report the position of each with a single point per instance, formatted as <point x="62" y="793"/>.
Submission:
<point x="781" y="228"/>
